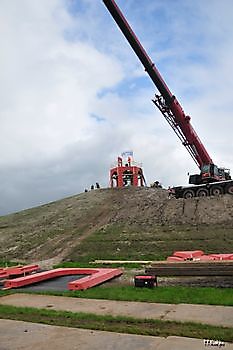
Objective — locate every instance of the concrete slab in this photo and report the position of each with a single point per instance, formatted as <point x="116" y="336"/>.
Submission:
<point x="213" y="315"/>
<point x="19" y="335"/>
<point x="97" y="306"/>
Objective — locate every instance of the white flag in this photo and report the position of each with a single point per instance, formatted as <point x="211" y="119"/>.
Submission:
<point x="127" y="154"/>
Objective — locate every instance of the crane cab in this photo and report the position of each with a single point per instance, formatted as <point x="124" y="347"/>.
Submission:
<point x="210" y="173"/>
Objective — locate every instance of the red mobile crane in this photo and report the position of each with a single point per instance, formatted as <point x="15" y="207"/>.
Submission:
<point x="212" y="180"/>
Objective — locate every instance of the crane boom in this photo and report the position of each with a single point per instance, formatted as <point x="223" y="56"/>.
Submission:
<point x="166" y="102"/>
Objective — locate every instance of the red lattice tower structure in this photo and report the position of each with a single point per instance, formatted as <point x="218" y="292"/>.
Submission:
<point x="126" y="173"/>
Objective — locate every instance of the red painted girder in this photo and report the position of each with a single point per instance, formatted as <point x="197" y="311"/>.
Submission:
<point x="97" y="276"/>
<point x="188" y="254"/>
<point x="18" y="270"/>
<point x="198" y="255"/>
<point x="222" y="256"/>
<point x="90" y="281"/>
<point x="174" y="259"/>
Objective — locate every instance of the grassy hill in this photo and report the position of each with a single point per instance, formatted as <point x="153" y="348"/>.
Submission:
<point x="129" y="223"/>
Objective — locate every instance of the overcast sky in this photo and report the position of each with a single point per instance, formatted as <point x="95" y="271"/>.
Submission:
<point x="73" y="95"/>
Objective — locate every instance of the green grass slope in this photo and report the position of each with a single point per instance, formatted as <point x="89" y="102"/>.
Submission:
<point x="129" y="223"/>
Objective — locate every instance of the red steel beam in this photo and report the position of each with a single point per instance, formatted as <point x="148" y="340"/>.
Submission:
<point x="95" y="276"/>
<point x="18" y="270"/>
<point x="100" y="276"/>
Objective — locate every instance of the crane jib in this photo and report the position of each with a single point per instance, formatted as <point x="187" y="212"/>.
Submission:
<point x="138" y="49"/>
<point x="180" y="123"/>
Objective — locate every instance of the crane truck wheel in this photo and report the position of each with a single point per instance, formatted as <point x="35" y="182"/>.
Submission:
<point x="216" y="191"/>
<point x="202" y="192"/>
<point x="188" y="194"/>
<point x="229" y="189"/>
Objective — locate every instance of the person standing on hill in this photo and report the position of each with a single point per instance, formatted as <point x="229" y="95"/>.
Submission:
<point x="170" y="192"/>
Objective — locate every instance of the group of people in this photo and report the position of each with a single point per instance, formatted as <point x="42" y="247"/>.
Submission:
<point x="156" y="184"/>
<point x="170" y="190"/>
<point x="97" y="185"/>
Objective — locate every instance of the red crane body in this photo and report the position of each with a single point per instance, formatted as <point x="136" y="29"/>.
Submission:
<point x="170" y="107"/>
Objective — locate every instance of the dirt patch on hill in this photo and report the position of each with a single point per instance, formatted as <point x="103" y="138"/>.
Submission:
<point x="137" y="223"/>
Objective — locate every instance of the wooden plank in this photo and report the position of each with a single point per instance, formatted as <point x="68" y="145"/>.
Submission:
<point x="192" y="268"/>
<point x="227" y="268"/>
<point x="122" y="262"/>
<point x="193" y="263"/>
<point x="190" y="273"/>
